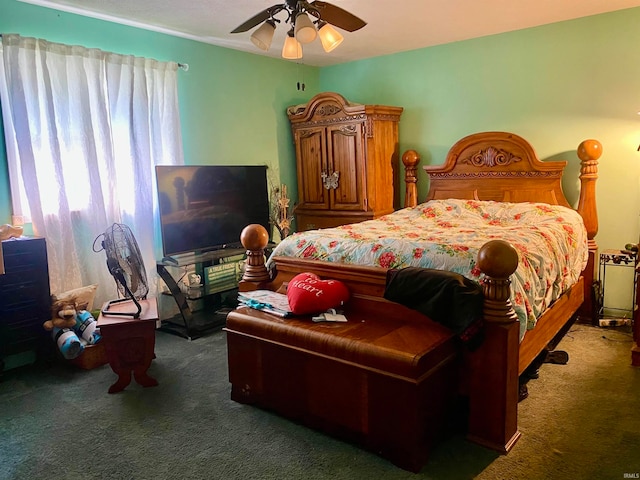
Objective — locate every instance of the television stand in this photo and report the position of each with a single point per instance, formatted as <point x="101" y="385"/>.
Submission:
<point x="219" y="272"/>
<point x="170" y="260"/>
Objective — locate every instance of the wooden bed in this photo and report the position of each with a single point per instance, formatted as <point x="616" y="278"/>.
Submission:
<point x="497" y="166"/>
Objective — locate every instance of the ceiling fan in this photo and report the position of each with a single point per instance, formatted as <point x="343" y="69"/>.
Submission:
<point x="303" y="29"/>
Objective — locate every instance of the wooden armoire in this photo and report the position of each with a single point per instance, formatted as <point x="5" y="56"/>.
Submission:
<point x="346" y="159"/>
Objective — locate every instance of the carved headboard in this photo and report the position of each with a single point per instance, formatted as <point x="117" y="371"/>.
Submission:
<point x="497" y="166"/>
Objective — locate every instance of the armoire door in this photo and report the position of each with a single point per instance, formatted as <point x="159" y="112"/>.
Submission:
<point x="311" y="159"/>
<point x="346" y="158"/>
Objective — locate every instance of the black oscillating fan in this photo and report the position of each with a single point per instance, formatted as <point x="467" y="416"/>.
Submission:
<point x="125" y="264"/>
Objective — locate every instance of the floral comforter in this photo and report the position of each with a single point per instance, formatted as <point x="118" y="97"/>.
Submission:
<point x="446" y="234"/>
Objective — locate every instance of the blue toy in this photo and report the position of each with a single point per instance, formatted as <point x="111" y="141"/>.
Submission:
<point x="86" y="327"/>
<point x="68" y="342"/>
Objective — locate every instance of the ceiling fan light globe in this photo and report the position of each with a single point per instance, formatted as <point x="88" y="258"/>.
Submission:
<point x="263" y="35"/>
<point x="305" y="31"/>
<point x="329" y="37"/>
<point x="291" y="50"/>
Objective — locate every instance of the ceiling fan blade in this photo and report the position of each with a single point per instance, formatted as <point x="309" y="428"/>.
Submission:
<point x="338" y="17"/>
<point x="256" y="19"/>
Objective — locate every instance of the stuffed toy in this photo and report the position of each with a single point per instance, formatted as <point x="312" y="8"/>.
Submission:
<point x="86" y="327"/>
<point x="71" y="328"/>
<point x="63" y="313"/>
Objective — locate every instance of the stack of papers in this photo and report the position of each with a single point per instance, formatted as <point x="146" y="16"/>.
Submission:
<point x="267" y="301"/>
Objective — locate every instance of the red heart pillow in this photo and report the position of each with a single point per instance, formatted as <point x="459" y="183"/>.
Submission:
<point x="308" y="294"/>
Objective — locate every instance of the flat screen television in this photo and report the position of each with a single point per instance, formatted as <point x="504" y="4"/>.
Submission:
<point x="205" y="207"/>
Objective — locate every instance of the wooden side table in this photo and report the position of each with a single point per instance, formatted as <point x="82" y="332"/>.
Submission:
<point x="130" y="342"/>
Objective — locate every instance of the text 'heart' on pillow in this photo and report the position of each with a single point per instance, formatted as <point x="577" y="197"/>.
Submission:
<point x="308" y="294"/>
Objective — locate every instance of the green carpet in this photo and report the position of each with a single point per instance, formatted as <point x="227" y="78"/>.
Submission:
<point x="580" y="421"/>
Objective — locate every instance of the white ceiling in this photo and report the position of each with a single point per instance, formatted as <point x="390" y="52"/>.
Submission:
<point x="392" y="25"/>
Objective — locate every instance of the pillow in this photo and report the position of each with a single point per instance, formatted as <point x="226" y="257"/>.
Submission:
<point x="307" y="293"/>
<point x="84" y="296"/>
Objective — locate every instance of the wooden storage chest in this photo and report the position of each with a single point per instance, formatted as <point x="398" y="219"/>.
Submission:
<point x="383" y="382"/>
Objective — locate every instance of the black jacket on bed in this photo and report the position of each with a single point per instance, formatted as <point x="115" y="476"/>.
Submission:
<point x="448" y="298"/>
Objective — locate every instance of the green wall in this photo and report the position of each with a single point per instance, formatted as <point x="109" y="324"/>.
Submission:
<point x="232" y="104"/>
<point x="555" y="85"/>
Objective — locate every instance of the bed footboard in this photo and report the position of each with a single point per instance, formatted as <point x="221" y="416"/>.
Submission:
<point x="492" y="369"/>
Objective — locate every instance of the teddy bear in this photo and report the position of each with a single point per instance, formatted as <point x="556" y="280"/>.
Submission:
<point x="70" y="327"/>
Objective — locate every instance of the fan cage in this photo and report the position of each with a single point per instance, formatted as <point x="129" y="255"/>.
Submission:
<point x="125" y="264"/>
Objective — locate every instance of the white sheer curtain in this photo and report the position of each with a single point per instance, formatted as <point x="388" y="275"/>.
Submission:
<point x="84" y="129"/>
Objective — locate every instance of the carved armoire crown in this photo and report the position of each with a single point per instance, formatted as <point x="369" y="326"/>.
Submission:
<point x="346" y="160"/>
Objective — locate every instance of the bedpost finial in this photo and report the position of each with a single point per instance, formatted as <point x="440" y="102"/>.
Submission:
<point x="589" y="150"/>
<point x="254" y="237"/>
<point x="410" y="158"/>
<point x="498" y="259"/>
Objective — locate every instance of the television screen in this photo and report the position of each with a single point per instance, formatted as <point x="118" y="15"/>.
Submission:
<point x="206" y="207"/>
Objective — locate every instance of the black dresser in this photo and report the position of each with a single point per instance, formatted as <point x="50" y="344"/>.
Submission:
<point x="25" y="302"/>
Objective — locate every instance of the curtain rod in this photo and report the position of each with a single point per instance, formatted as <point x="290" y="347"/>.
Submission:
<point x="181" y="66"/>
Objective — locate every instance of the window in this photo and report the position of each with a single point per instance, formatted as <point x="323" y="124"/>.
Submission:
<point x="84" y="130"/>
